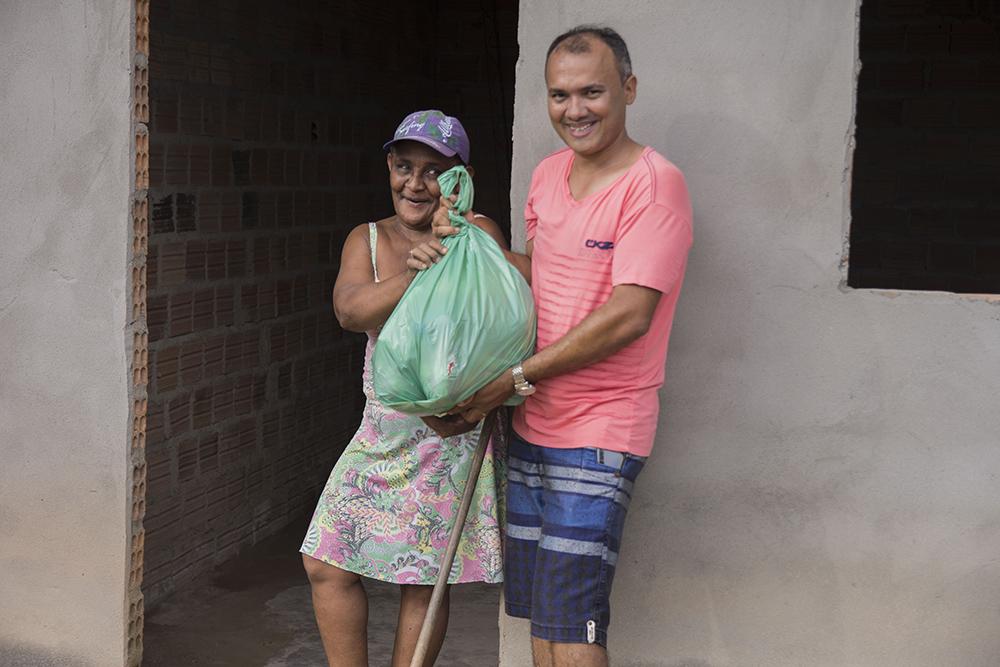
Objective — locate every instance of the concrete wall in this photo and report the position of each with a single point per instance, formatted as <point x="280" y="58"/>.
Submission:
<point x="823" y="488"/>
<point x="65" y="182"/>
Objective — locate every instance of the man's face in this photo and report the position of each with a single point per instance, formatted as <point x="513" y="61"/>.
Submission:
<point x="413" y="171"/>
<point x="587" y="98"/>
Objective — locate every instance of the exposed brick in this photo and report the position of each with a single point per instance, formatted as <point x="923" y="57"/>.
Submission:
<point x="191" y="363"/>
<point x="194" y="260"/>
<point x="212" y="118"/>
<point x="201" y="411"/>
<point x="927" y="154"/>
<point x="208" y="453"/>
<point x="171" y="264"/>
<point x="250" y="210"/>
<point x="167" y="369"/>
<point x="204" y="309"/>
<point x="988" y="260"/>
<point x="261" y="256"/>
<point x="181" y="313"/>
<point x="896" y="76"/>
<point x="257" y="172"/>
<point x="952" y="257"/>
<point x="928" y="38"/>
<point x="215" y="260"/>
<point x="975" y="37"/>
<point x="163" y="215"/>
<point x="209" y="211"/>
<point x="222" y="400"/>
<point x="187" y="460"/>
<point x="164" y="114"/>
<point x="229" y="213"/>
<point x="185" y="210"/>
<point x="200" y="165"/>
<point x="928" y="112"/>
<point x="179" y="413"/>
<point x="176" y="165"/>
<point x="268" y="210"/>
<point x="156" y="316"/>
<point x="908" y="255"/>
<point x="225" y="313"/>
<point x="977" y="113"/>
<point x="214" y="350"/>
<point x="951" y="75"/>
<point x="240" y="168"/>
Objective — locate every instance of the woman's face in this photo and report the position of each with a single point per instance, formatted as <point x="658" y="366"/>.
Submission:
<point x="413" y="172"/>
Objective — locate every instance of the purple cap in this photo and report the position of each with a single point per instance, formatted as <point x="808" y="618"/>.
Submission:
<point x="444" y="134"/>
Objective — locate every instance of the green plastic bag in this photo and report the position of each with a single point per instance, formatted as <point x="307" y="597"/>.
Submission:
<point x="461" y="323"/>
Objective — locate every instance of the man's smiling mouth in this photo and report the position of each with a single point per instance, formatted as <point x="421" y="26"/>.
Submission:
<point x="580" y="129"/>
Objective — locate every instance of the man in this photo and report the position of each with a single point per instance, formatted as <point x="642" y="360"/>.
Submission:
<point x="609" y="227"/>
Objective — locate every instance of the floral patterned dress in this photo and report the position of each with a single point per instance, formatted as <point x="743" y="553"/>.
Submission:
<point x="388" y="506"/>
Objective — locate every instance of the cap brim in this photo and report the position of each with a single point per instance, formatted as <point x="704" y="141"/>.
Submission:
<point x="436" y="145"/>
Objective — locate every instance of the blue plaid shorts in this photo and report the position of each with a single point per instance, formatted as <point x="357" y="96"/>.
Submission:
<point x="565" y="516"/>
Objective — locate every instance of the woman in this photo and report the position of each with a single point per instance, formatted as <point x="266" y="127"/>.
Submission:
<point x="388" y="505"/>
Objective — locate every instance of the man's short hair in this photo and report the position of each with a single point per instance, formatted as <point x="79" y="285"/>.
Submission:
<point x="577" y="40"/>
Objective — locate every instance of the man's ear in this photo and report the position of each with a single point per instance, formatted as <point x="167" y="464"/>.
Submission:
<point x="630" y="88"/>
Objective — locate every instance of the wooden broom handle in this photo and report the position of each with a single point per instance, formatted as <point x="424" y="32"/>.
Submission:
<point x="430" y="619"/>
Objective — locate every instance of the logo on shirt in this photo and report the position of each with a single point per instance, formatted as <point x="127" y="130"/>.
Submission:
<point x="600" y="245"/>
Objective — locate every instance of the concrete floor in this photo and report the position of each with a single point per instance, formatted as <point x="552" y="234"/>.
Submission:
<point x="255" y="611"/>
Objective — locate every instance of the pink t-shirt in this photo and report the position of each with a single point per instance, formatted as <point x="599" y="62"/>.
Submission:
<point x="636" y="231"/>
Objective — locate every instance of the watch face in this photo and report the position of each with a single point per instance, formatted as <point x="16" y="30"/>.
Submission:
<point x="527" y="390"/>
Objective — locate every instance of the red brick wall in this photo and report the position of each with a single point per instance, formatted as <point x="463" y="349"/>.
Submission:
<point x="266" y="125"/>
<point x="926" y="189"/>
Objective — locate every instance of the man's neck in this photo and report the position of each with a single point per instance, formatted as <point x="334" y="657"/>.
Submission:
<point x="621" y="153"/>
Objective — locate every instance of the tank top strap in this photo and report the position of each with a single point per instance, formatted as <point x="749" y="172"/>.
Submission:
<point x="373" y="244"/>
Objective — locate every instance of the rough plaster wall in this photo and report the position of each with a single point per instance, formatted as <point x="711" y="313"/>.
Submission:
<point x="823" y="488"/>
<point x="64" y="175"/>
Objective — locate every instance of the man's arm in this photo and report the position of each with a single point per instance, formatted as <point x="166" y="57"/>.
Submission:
<point x="624" y="318"/>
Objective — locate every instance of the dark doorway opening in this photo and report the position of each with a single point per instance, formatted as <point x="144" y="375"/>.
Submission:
<point x="267" y="120"/>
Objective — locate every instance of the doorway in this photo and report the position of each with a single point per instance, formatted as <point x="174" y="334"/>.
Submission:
<point x="266" y="121"/>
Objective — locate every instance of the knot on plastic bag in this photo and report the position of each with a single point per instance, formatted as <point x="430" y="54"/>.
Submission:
<point x="457" y="177"/>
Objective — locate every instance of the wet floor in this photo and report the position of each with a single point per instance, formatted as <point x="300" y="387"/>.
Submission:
<point x="255" y="611"/>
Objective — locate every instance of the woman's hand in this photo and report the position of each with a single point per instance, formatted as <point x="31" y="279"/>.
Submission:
<point x="441" y="223"/>
<point x="424" y="254"/>
<point x="449" y="425"/>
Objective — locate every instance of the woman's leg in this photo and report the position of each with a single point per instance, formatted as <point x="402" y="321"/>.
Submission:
<point x="413" y="601"/>
<point x="341" y="607"/>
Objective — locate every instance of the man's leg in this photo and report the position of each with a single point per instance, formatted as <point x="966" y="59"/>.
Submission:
<point x="541" y="653"/>
<point x="579" y="655"/>
<point x="524" y="520"/>
<point x="341" y="607"/>
<point x="585" y="495"/>
<point x="413" y="602"/>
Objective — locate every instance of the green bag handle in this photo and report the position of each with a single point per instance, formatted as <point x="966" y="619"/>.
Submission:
<point x="458" y="177"/>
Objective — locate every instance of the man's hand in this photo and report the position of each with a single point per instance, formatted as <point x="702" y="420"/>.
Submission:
<point x="449" y="425"/>
<point x="491" y="396"/>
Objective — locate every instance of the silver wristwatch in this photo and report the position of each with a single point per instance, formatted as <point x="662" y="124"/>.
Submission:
<point x="521" y="386"/>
